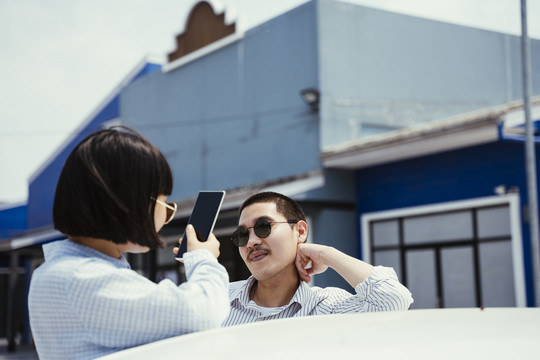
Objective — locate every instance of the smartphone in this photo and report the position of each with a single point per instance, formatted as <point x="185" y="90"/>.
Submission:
<point x="203" y="217"/>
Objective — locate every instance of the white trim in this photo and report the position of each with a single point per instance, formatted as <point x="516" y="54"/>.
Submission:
<point x="298" y="186"/>
<point x="434" y="144"/>
<point x="517" y="250"/>
<point x="516" y="117"/>
<point x="460" y="131"/>
<point x="440" y="207"/>
<point x="427" y="138"/>
<point x="235" y="197"/>
<point x="197" y="54"/>
<point x="515" y="230"/>
<point x="34" y="239"/>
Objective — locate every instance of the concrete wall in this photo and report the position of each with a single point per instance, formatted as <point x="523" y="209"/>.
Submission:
<point x="380" y="70"/>
<point x="234" y="117"/>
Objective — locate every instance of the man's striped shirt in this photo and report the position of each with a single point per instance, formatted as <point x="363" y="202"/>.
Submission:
<point x="381" y="291"/>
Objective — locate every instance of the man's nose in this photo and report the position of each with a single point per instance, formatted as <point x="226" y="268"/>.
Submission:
<point x="253" y="240"/>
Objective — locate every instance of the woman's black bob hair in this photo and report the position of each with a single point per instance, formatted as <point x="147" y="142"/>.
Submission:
<point x="108" y="186"/>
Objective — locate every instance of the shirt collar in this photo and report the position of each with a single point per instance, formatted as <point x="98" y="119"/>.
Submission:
<point x="66" y="247"/>
<point x="303" y="296"/>
<point x="241" y="296"/>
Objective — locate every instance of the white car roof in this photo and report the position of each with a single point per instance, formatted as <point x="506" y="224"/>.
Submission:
<point x="492" y="333"/>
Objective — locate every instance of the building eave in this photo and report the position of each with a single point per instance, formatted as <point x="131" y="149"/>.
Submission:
<point x="465" y="130"/>
<point x="235" y="197"/>
<point x="31" y="238"/>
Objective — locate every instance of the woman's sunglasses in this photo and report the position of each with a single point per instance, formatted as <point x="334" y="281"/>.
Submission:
<point x="262" y="229"/>
<point x="171" y="210"/>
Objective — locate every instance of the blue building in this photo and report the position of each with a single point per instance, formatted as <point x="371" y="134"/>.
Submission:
<point x="399" y="136"/>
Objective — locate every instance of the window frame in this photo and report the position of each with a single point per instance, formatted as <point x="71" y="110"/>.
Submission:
<point x="511" y="200"/>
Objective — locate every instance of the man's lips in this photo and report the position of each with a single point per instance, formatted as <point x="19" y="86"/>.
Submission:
<point x="257" y="255"/>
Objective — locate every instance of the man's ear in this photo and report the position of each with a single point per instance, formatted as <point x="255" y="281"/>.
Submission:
<point x="302" y="229"/>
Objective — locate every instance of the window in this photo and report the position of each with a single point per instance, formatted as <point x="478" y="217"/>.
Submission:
<point x="458" y="254"/>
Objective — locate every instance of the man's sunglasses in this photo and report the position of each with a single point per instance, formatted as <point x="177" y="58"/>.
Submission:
<point x="171" y="209"/>
<point x="262" y="229"/>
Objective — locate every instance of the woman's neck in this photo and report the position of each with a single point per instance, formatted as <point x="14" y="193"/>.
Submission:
<point x="104" y="246"/>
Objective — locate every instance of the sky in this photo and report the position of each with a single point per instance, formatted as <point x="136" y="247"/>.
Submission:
<point x="59" y="59"/>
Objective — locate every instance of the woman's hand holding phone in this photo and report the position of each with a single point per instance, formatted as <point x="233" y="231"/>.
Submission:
<point x="212" y="244"/>
<point x="203" y="218"/>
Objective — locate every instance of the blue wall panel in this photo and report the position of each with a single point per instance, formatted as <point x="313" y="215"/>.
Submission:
<point x="456" y="175"/>
<point x="12" y="221"/>
<point x="42" y="189"/>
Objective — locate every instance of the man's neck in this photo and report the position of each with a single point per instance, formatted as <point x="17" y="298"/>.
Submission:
<point x="274" y="292"/>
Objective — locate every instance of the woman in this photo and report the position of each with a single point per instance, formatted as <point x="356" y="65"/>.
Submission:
<point x="84" y="300"/>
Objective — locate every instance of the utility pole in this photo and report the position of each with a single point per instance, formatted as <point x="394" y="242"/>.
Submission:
<point x="530" y="155"/>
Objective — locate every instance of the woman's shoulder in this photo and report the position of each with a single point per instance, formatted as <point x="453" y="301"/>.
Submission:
<point x="64" y="261"/>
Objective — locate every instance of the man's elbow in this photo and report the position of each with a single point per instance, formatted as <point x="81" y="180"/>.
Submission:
<point x="403" y="300"/>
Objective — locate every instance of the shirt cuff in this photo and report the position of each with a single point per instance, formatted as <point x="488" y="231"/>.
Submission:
<point x="378" y="273"/>
<point x="196" y="257"/>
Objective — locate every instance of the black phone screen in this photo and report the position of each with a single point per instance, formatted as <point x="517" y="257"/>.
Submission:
<point x="203" y="217"/>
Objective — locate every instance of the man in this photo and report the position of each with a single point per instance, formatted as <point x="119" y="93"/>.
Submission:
<point x="271" y="240"/>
